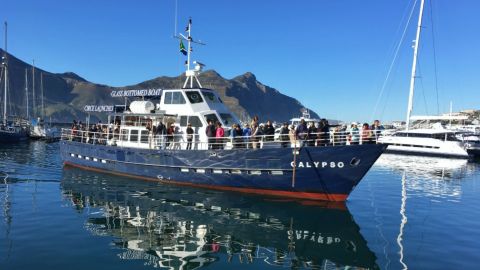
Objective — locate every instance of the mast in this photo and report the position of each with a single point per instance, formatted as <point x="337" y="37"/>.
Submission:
<point x="190" y="73"/>
<point x="5" y="60"/>
<point x="34" y="104"/>
<point x="42" y="113"/>
<point x="414" y="66"/>
<point x="26" y="91"/>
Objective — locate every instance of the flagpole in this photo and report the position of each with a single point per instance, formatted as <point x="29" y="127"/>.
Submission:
<point x="189" y="48"/>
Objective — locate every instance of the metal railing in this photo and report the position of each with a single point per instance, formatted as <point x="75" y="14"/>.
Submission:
<point x="181" y="141"/>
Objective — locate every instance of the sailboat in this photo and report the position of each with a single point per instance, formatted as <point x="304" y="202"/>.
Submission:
<point x="12" y="129"/>
<point x="40" y="129"/>
<point x="428" y="141"/>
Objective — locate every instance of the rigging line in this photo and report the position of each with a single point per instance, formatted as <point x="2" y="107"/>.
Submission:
<point x="421" y="86"/>
<point x="394" y="59"/>
<point x="434" y="55"/>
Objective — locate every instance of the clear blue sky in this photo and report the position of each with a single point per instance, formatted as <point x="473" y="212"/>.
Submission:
<point x="332" y="55"/>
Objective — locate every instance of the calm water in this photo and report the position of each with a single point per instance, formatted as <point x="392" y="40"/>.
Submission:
<point x="408" y="212"/>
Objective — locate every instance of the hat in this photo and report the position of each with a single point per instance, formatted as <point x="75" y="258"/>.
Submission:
<point x="354" y="123"/>
<point x="172" y="125"/>
<point x="285" y="123"/>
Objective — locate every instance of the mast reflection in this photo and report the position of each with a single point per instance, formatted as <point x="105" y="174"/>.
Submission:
<point x="183" y="228"/>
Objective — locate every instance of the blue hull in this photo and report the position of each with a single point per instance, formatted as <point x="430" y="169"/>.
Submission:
<point x="322" y="173"/>
<point x="12" y="137"/>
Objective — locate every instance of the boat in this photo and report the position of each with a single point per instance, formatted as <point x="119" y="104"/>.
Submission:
<point x="133" y="143"/>
<point x="12" y="128"/>
<point x="41" y="130"/>
<point x="422" y="141"/>
<point x="213" y="228"/>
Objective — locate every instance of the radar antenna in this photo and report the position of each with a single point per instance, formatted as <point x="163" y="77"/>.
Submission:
<point x="190" y="73"/>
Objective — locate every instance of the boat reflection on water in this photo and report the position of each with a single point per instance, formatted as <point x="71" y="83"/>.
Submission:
<point x="428" y="176"/>
<point x="182" y="228"/>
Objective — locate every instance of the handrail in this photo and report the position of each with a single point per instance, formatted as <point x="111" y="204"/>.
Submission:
<point x="179" y="141"/>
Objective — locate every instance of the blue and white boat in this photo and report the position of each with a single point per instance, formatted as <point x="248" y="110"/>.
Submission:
<point x="130" y="145"/>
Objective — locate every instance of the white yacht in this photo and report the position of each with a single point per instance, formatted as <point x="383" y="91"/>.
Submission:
<point x="423" y="141"/>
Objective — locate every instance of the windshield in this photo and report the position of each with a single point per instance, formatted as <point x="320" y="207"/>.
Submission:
<point x="194" y="96"/>
<point x="210" y="97"/>
<point x="212" y="117"/>
<point x="227" y="119"/>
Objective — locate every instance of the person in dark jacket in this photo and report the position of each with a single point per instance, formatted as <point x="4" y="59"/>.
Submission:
<point x="189" y="136"/>
<point x="210" y="131"/>
<point x="312" y="134"/>
<point x="269" y="131"/>
<point x="302" y="132"/>
<point x="324" y="131"/>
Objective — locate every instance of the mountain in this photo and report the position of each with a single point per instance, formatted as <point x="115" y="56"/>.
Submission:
<point x="66" y="94"/>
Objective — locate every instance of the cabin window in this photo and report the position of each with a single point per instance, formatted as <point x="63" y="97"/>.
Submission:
<point x="134" y="135"/>
<point x="210" y="97"/>
<point x="124" y="136"/>
<point x="174" y="98"/>
<point x="227" y="118"/>
<point x="195" y="121"/>
<point x="194" y="97"/>
<point x="183" y="121"/>
<point x="212" y="117"/>
<point x="144" y="136"/>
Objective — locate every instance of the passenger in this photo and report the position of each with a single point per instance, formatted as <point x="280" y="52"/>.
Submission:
<point x="189" y="136"/>
<point x="237" y="136"/>
<point x="256" y="132"/>
<point x="159" y="134"/>
<point x="269" y="131"/>
<point x="377" y="129"/>
<point x="219" y="134"/>
<point x="177" y="138"/>
<point x="354" y="136"/>
<point x="292" y="135"/>
<point x="302" y="132"/>
<point x="170" y="135"/>
<point x="284" y="140"/>
<point x="324" y="129"/>
<point x="367" y="136"/>
<point x="247" y="132"/>
<point x="211" y="134"/>
<point x="312" y="134"/>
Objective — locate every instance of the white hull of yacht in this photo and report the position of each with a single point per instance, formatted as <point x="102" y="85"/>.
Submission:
<point x="424" y="146"/>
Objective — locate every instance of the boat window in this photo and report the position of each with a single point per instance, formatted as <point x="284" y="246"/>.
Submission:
<point x="174" y="98"/>
<point x="210" y="97"/>
<point x="144" y="136"/>
<point x="134" y="135"/>
<point x="195" y="121"/>
<point x="227" y="118"/>
<point x="183" y="121"/>
<point x="124" y="136"/>
<point x="212" y="117"/>
<point x="194" y="97"/>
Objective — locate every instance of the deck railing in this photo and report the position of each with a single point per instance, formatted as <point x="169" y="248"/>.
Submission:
<point x="179" y="141"/>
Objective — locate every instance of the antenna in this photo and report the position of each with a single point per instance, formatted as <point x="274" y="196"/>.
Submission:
<point x="34" y="103"/>
<point x="191" y="74"/>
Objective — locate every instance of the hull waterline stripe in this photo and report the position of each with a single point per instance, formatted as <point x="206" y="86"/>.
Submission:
<point x="280" y="193"/>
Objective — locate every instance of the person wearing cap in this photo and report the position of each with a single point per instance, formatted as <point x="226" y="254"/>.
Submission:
<point x="189" y="136"/>
<point x="302" y="132"/>
<point x="284" y="140"/>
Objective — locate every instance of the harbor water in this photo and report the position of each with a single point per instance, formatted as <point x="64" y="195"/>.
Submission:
<point x="407" y="212"/>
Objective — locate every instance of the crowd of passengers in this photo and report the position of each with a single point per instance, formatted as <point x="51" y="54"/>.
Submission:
<point x="251" y="135"/>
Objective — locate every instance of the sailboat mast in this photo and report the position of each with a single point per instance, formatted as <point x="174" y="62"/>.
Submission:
<point x="6" y="79"/>
<point x="414" y="66"/>
<point x="41" y="93"/>
<point x="33" y="90"/>
<point x="26" y="92"/>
